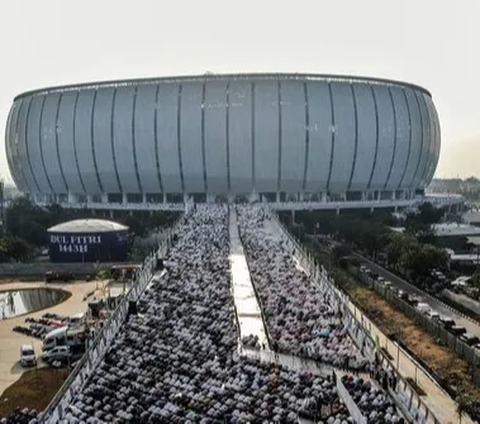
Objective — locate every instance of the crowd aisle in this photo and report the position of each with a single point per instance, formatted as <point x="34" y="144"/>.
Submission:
<point x="301" y="320"/>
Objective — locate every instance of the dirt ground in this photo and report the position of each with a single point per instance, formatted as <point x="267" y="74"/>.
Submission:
<point x="10" y="368"/>
<point x="34" y="390"/>
<point x="439" y="358"/>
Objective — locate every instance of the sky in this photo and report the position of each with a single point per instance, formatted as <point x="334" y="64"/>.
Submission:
<point x="433" y="43"/>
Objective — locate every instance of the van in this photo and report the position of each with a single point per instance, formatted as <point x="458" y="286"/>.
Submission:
<point x="27" y="356"/>
<point x="64" y="336"/>
<point x="457" y="330"/>
<point x="58" y="353"/>
<point x="469" y="339"/>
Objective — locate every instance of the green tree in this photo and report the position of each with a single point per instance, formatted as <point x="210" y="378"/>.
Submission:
<point x="340" y="251"/>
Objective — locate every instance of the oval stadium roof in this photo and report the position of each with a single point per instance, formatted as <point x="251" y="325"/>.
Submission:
<point x="88" y="226"/>
<point x="215" y="77"/>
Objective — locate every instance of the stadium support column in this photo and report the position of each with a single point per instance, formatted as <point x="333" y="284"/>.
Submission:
<point x="293" y="216"/>
<point x="144" y="198"/>
<point x="124" y="198"/>
<point x="104" y="197"/>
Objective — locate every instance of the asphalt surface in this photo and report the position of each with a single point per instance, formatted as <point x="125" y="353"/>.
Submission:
<point x="442" y="308"/>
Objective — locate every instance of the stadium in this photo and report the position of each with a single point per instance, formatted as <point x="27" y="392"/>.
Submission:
<point x="279" y="138"/>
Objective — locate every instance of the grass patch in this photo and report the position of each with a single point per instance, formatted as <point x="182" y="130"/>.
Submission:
<point x="34" y="390"/>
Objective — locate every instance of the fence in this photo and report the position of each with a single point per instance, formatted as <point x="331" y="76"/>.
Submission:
<point x="408" y="401"/>
<point x="38" y="269"/>
<point x="469" y="353"/>
<point x="58" y="407"/>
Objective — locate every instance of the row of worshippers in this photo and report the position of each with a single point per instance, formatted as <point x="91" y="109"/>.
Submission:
<point x="177" y="361"/>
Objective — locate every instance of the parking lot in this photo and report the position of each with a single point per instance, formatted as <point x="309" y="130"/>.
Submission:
<point x="10" y="368"/>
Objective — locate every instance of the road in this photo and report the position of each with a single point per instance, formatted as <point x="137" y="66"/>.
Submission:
<point x="437" y="305"/>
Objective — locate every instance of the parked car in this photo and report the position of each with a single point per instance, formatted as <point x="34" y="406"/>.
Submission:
<point x="58" y="353"/>
<point x="27" y="356"/>
<point x="65" y="276"/>
<point x="447" y="322"/>
<point x="433" y="315"/>
<point x="457" y="330"/>
<point x="469" y="339"/>
<point x="423" y="308"/>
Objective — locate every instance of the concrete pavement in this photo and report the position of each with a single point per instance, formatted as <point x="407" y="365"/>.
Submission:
<point x="248" y="310"/>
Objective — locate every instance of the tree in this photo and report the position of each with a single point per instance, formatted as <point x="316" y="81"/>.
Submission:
<point x="340" y="251"/>
<point x="399" y="244"/>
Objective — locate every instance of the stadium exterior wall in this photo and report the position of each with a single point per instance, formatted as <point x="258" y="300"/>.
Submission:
<point x="68" y="247"/>
<point x="277" y="135"/>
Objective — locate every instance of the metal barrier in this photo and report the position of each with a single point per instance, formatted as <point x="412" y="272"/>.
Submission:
<point x="350" y="404"/>
<point x="406" y="398"/>
<point x="58" y="407"/>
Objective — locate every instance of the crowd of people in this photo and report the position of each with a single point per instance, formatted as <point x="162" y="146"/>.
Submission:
<point x="300" y="319"/>
<point x="374" y="404"/>
<point x="176" y="361"/>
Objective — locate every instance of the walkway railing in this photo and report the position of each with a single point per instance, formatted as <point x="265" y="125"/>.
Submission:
<point x="408" y="401"/>
<point x="58" y="407"/>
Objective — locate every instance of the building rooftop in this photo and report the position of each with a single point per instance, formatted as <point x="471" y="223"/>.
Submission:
<point x="88" y="226"/>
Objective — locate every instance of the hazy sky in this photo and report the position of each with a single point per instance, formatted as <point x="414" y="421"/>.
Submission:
<point x="433" y="43"/>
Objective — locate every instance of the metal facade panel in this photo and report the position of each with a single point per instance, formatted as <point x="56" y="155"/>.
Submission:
<point x="66" y="143"/>
<point x="145" y="138"/>
<point x="416" y="145"/>
<point x="123" y="139"/>
<point x="49" y="143"/>
<point x="191" y="137"/>
<point x="403" y="137"/>
<point x="167" y="137"/>
<point x="320" y="136"/>
<point x="428" y="143"/>
<point x="215" y="109"/>
<point x="293" y="136"/>
<point x="34" y="148"/>
<point x="102" y="140"/>
<point x="12" y="140"/>
<point x="8" y="138"/>
<point x="266" y="146"/>
<point x="366" y="137"/>
<point x="83" y="141"/>
<point x="24" y="161"/>
<point x="344" y="144"/>
<point x="386" y="138"/>
<point x="435" y="131"/>
<point x="240" y="136"/>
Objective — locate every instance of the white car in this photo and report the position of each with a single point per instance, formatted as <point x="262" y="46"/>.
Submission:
<point x="27" y="356"/>
<point x="57" y="353"/>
